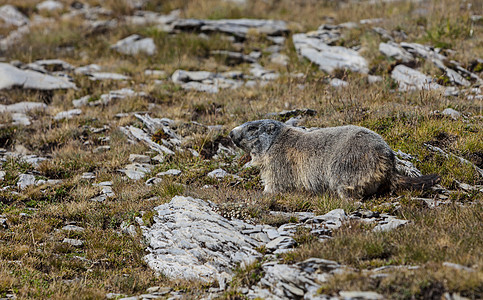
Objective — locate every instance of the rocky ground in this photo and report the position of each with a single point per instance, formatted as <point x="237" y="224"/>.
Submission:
<point x="118" y="180"/>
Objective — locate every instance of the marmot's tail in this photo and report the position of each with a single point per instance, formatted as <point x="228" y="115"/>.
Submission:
<point x="420" y="183"/>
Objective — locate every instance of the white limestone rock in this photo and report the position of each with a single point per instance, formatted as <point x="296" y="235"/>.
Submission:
<point x="188" y="240"/>
<point x="410" y="79"/>
<point x="11" y="16"/>
<point x="69" y="114"/>
<point x="50" y="5"/>
<point x="135" y="44"/>
<point x="11" y="76"/>
<point x="328" y="58"/>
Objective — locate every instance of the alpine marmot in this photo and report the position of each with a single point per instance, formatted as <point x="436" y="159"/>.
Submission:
<point x="350" y="161"/>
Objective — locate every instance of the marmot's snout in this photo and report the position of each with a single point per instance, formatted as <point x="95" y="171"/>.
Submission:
<point x="235" y="136"/>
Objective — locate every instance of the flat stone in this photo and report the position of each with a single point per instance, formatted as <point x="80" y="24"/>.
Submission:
<point x="2" y="175"/>
<point x="279" y="59"/>
<point x="73" y="242"/>
<point x="22" y="107"/>
<point x="20" y="119"/>
<point x="359" y="295"/>
<point x="282" y="242"/>
<point x="234" y="58"/>
<point x="106" y="76"/>
<point x="453" y="114"/>
<point x="410" y="79"/>
<point x="135" y="44"/>
<point x="11" y="77"/>
<point x="189" y="240"/>
<point x="328" y="58"/>
<point x="390" y="224"/>
<point x="138" y="158"/>
<point x="236" y="27"/>
<point x="73" y="228"/>
<point x="338" y="83"/>
<point x="171" y="172"/>
<point x="137" y="170"/>
<point x="182" y="76"/>
<point x="200" y="87"/>
<point x="393" y="50"/>
<point x="457" y="266"/>
<point x="69" y="114"/>
<point x="218" y="173"/>
<point x="88" y="175"/>
<point x="453" y="76"/>
<point x="115" y="296"/>
<point x="423" y="51"/>
<point x="25" y="180"/>
<point x="11" y="16"/>
<point x="55" y="64"/>
<point x="50" y="5"/>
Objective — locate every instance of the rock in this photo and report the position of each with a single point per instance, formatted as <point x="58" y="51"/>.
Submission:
<point x="138" y="158"/>
<point x="189" y="240"/>
<point x="67" y="114"/>
<point x="81" y="101"/>
<point x="55" y="65"/>
<point x="155" y="73"/>
<point x="74" y="242"/>
<point x="141" y="135"/>
<point x="10" y="16"/>
<point x="200" y="87"/>
<point x="22" y="107"/>
<point x="88" y="175"/>
<point x="171" y="172"/>
<point x="359" y="295"/>
<point x="115" y="296"/>
<point x="25" y="180"/>
<point x="457" y="266"/>
<point x="338" y="83"/>
<point x="127" y="228"/>
<point x="374" y="78"/>
<point x="13" y="37"/>
<point x="137" y="171"/>
<point x="11" y="77"/>
<point x="135" y="44"/>
<point x="259" y="72"/>
<point x="281" y="242"/>
<point x="328" y="58"/>
<point x="234" y="58"/>
<point x="390" y="224"/>
<point x="410" y="79"/>
<point x="383" y="33"/>
<point x="393" y="50"/>
<point x="453" y="114"/>
<point x="279" y="59"/>
<point x="297" y="281"/>
<point x="453" y="76"/>
<point x="333" y="219"/>
<point x="143" y="18"/>
<point x="2" y="175"/>
<point x="236" y="27"/>
<point x="50" y="5"/>
<point x="20" y="119"/>
<point x="218" y="173"/>
<point x="106" y="76"/>
<point x="182" y="76"/>
<point x="3" y="222"/>
<point x="426" y="52"/>
<point x="73" y="228"/>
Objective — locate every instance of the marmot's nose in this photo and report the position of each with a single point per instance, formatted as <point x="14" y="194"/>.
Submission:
<point x="234" y="137"/>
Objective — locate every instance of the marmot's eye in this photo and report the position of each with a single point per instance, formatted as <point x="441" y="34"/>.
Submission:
<point x="251" y="128"/>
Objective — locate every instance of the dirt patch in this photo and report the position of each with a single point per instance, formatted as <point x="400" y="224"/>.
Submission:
<point x="210" y="148"/>
<point x="443" y="140"/>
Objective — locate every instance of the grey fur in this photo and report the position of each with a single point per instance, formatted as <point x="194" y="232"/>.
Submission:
<point x="350" y="161"/>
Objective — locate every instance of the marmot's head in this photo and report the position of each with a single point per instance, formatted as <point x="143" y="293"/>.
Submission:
<point x="256" y="137"/>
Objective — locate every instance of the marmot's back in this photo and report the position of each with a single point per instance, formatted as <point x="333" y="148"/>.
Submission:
<point x="351" y="161"/>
